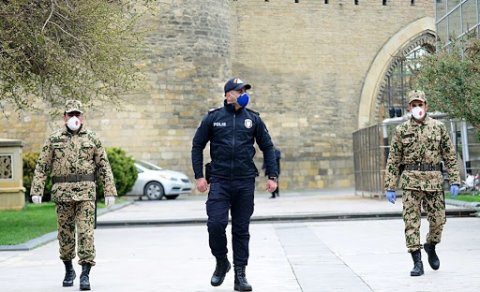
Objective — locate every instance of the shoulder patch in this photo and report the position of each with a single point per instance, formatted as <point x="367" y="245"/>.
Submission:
<point x="91" y="133"/>
<point x="255" y="112"/>
<point x="57" y="136"/>
<point x="214" y="109"/>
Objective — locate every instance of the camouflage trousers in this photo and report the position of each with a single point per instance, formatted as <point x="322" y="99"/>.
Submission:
<point x="433" y="203"/>
<point x="76" y="218"/>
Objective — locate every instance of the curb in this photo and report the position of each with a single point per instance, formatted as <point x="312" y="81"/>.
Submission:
<point x="468" y="212"/>
<point x="31" y="244"/>
<point x="473" y="205"/>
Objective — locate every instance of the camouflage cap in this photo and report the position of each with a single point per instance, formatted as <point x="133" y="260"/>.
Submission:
<point x="416" y="95"/>
<point x="73" y="105"/>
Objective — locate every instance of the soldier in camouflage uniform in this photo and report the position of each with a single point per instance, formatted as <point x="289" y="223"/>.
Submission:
<point x="417" y="148"/>
<point x="74" y="156"/>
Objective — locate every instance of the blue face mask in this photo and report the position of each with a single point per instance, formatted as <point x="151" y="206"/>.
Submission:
<point x="243" y="99"/>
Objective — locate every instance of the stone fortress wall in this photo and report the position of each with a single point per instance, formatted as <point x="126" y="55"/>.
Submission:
<point x="316" y="70"/>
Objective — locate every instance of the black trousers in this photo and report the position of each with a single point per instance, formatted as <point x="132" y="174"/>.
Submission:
<point x="235" y="196"/>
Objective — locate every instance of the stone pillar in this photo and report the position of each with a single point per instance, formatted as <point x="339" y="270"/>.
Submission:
<point x="12" y="192"/>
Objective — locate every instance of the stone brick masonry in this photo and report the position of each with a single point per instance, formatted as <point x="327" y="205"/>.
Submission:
<point x="307" y="63"/>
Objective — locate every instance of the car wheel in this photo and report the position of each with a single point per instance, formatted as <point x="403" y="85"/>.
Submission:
<point x="153" y="190"/>
<point x="171" y="197"/>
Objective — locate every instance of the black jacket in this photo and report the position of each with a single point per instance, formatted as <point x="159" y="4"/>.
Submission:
<point x="232" y="135"/>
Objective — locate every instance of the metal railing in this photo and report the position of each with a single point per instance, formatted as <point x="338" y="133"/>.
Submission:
<point x="369" y="161"/>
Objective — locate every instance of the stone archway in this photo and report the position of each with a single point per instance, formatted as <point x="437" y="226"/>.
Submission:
<point x="418" y="33"/>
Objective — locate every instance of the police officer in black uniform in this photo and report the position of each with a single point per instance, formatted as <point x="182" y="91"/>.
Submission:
<point x="232" y="131"/>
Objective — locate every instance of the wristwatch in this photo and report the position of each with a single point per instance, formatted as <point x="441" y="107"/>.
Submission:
<point x="273" y="178"/>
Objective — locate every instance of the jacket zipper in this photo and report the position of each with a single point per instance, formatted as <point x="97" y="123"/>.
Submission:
<point x="233" y="147"/>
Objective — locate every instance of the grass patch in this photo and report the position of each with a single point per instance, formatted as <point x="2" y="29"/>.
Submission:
<point x="21" y="226"/>
<point x="18" y="227"/>
<point x="465" y="197"/>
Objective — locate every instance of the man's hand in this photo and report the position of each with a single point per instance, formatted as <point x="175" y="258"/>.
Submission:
<point x="37" y="199"/>
<point x="271" y="185"/>
<point x="202" y="185"/>
<point x="109" y="201"/>
<point x="454" y="190"/>
<point x="391" y="196"/>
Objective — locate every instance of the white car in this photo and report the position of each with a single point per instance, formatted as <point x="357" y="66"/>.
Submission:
<point x="155" y="182"/>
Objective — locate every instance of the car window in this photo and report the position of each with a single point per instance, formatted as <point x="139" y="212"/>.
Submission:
<point x="148" y="165"/>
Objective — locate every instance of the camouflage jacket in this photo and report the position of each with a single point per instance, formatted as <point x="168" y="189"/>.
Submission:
<point x="421" y="143"/>
<point x="64" y="154"/>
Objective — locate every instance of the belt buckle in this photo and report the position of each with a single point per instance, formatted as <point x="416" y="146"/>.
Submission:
<point x="419" y="167"/>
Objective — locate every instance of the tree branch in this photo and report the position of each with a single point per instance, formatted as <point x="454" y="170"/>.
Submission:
<point x="65" y="31"/>
<point x="50" y="16"/>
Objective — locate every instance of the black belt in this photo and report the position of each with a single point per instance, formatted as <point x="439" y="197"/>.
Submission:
<point x="73" y="178"/>
<point x="423" y="167"/>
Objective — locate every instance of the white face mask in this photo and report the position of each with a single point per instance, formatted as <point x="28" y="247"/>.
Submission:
<point x="418" y="113"/>
<point x="74" y="123"/>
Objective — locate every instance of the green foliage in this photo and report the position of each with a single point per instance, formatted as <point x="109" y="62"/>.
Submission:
<point x="33" y="221"/>
<point x="451" y="80"/>
<point x="124" y="171"/>
<point x="55" y="50"/>
<point x="29" y="163"/>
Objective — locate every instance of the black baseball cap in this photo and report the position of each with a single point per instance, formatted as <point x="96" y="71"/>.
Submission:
<point x="235" y="84"/>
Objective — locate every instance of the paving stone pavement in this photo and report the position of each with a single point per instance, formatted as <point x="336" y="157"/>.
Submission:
<point x="297" y="255"/>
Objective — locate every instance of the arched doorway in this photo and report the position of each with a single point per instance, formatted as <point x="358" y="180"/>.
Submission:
<point x="397" y="53"/>
<point x="400" y="78"/>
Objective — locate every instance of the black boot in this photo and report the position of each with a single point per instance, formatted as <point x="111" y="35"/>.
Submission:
<point x="417" y="264"/>
<point x="433" y="259"/>
<point x="241" y="283"/>
<point x="221" y="269"/>
<point x="84" y="277"/>
<point x="69" y="274"/>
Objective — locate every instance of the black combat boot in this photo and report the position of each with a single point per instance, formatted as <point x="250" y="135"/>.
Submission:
<point x="84" y="277"/>
<point x="433" y="259"/>
<point x="417" y="264"/>
<point x="221" y="269"/>
<point x="241" y="283"/>
<point x="69" y="274"/>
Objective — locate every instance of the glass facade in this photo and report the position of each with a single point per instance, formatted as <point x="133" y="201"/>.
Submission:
<point x="455" y="18"/>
